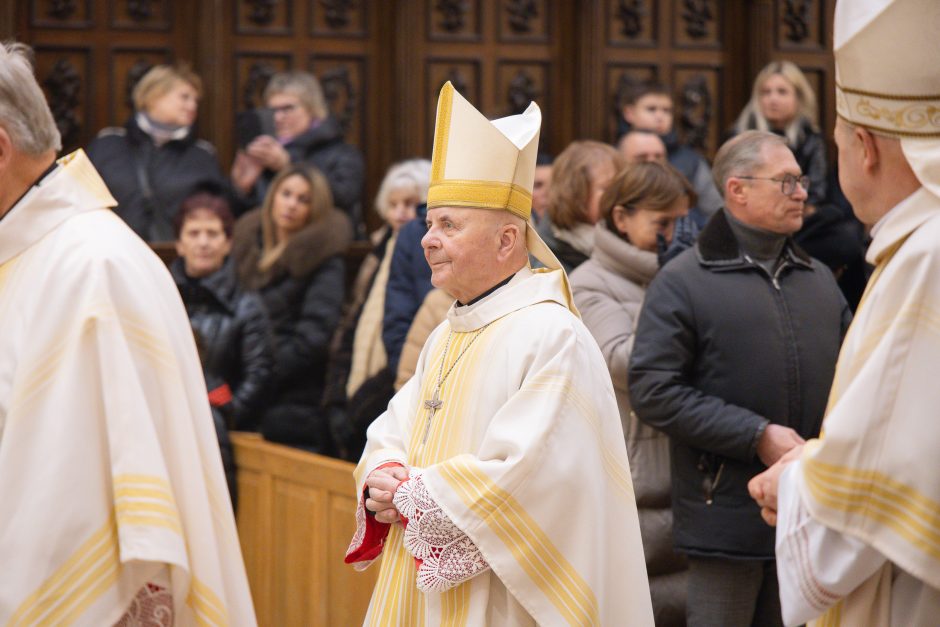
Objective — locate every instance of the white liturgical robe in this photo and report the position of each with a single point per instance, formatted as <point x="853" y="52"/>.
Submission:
<point x="858" y="535"/>
<point x="110" y="475"/>
<point x="520" y="504"/>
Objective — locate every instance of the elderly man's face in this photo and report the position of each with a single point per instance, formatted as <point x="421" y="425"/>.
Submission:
<point x="642" y="148"/>
<point x="461" y="247"/>
<point x="767" y="206"/>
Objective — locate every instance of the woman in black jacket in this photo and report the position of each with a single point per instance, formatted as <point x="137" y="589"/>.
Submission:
<point x="291" y="251"/>
<point x="154" y="161"/>
<point x="230" y="324"/>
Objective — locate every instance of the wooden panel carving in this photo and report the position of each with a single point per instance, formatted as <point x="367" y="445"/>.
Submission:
<point x="64" y="76"/>
<point x="454" y="20"/>
<point x="518" y="84"/>
<point x="343" y="79"/>
<point x="632" y="22"/>
<point x="127" y="68"/>
<point x="524" y="21"/>
<point x="263" y="17"/>
<point x="619" y="80"/>
<point x="800" y="24"/>
<point x="252" y="73"/>
<point x="697" y="102"/>
<point x="697" y="23"/>
<point x="141" y="14"/>
<point x="338" y="18"/>
<point x="817" y="80"/>
<point x="60" y="13"/>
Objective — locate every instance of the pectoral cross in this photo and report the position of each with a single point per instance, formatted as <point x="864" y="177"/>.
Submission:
<point x="432" y="405"/>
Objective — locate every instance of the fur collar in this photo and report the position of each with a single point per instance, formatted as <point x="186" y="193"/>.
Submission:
<point x="717" y="245"/>
<point x="305" y="252"/>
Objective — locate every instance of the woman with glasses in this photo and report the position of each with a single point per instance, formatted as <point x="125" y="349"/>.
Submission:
<point x="304" y="131"/>
<point x="639" y="209"/>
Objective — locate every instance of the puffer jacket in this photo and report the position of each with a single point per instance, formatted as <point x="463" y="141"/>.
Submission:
<point x="608" y="291"/>
<point x="173" y="170"/>
<point x="722" y="349"/>
<point x="342" y="164"/>
<point x="303" y="293"/>
<point x="235" y="336"/>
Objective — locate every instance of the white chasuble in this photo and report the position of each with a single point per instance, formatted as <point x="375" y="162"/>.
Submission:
<point x="521" y="470"/>
<point x="110" y="475"/>
<point x="872" y="477"/>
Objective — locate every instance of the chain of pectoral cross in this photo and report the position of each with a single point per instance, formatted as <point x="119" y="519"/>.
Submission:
<point x="435" y="403"/>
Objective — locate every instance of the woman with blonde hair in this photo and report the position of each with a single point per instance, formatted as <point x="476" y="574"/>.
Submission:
<point x="580" y="175"/>
<point x="639" y="208"/>
<point x="290" y="251"/>
<point x="155" y="160"/>
<point x="783" y="102"/>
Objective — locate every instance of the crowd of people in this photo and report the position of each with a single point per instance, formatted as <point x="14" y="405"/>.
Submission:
<point x="720" y="365"/>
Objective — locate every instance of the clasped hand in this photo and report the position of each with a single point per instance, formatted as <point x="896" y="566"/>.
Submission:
<point x="382" y="484"/>
<point x="763" y="487"/>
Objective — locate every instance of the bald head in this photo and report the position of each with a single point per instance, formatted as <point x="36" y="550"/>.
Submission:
<point x="642" y="147"/>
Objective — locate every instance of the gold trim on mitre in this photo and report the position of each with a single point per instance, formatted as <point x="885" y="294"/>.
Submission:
<point x="482" y="195"/>
<point x="901" y="116"/>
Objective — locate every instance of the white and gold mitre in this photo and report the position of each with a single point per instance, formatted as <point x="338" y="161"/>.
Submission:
<point x="887" y="77"/>
<point x="483" y="164"/>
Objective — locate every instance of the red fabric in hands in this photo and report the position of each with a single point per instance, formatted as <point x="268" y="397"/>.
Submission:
<point x="376" y="531"/>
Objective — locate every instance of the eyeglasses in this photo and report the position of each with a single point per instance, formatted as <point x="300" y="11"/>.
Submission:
<point x="787" y="183"/>
<point x="288" y="108"/>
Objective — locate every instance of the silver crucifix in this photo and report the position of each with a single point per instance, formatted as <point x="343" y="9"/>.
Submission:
<point x="432" y="405"/>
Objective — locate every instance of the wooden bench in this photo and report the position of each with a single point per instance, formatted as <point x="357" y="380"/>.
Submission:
<point x="296" y="516"/>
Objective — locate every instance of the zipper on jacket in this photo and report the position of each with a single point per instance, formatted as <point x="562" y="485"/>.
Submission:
<point x="775" y="277"/>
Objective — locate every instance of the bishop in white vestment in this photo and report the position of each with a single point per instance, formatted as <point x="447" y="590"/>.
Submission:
<point x="858" y="510"/>
<point x="518" y="507"/>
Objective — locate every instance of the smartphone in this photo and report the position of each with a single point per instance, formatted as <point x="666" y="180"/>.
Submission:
<point x="251" y="124"/>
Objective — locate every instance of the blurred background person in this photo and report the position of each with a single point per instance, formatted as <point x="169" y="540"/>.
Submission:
<point x="650" y="107"/>
<point x="305" y="132"/>
<point x="291" y="251"/>
<point x="153" y="161"/>
<point x="639" y="146"/>
<point x="580" y="175"/>
<point x="641" y="205"/>
<point x="359" y="381"/>
<point x="542" y="185"/>
<point x="783" y="102"/>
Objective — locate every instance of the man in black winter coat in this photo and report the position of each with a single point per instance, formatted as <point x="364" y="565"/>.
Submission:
<point x="734" y="354"/>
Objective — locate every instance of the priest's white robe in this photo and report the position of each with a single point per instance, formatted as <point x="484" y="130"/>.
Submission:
<point x="524" y="467"/>
<point x="858" y="519"/>
<point x="110" y="475"/>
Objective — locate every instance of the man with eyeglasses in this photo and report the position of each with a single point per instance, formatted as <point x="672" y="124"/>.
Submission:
<point x="735" y="349"/>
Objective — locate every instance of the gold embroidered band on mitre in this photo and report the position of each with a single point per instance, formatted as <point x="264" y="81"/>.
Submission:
<point x="901" y="116"/>
<point x="481" y="194"/>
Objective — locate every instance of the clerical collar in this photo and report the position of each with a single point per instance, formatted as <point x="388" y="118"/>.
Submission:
<point x="36" y="183"/>
<point x="758" y="243"/>
<point x="487" y="292"/>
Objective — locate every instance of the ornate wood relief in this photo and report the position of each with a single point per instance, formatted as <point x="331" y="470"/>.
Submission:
<point x="140" y="10"/>
<point x="58" y="13"/>
<point x="336" y="12"/>
<point x="264" y="17"/>
<point x="796" y="19"/>
<point x="521" y="92"/>
<point x="141" y="14"/>
<point x="342" y="82"/>
<point x="519" y="84"/>
<point x="450" y="20"/>
<point x="521" y="13"/>
<point x="61" y="9"/>
<point x="63" y="86"/>
<point x="696" y="107"/>
<point x="333" y="18"/>
<point x="697" y="14"/>
<point x="630" y="14"/>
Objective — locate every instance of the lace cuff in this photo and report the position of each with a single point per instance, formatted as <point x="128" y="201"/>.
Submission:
<point x="446" y="556"/>
<point x="152" y="607"/>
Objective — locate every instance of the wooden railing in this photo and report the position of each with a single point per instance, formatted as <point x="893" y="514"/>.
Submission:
<point x="296" y="516"/>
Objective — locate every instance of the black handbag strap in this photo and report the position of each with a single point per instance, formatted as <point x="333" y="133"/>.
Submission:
<point x="158" y="228"/>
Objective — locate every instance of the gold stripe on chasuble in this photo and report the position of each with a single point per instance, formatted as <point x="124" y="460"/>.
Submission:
<point x="143" y="500"/>
<point x="206" y="606"/>
<point x="396" y="599"/>
<point x="76" y="584"/>
<point x="874" y="495"/>
<point x="528" y="543"/>
<point x="561" y="384"/>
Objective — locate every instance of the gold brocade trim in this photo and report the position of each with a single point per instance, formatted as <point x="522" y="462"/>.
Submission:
<point x="529" y="545"/>
<point x="445" y="105"/>
<point x="481" y="194"/>
<point x="872" y="94"/>
<point x="919" y="117"/>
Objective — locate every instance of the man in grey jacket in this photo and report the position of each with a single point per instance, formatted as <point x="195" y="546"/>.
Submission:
<point x="734" y="353"/>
